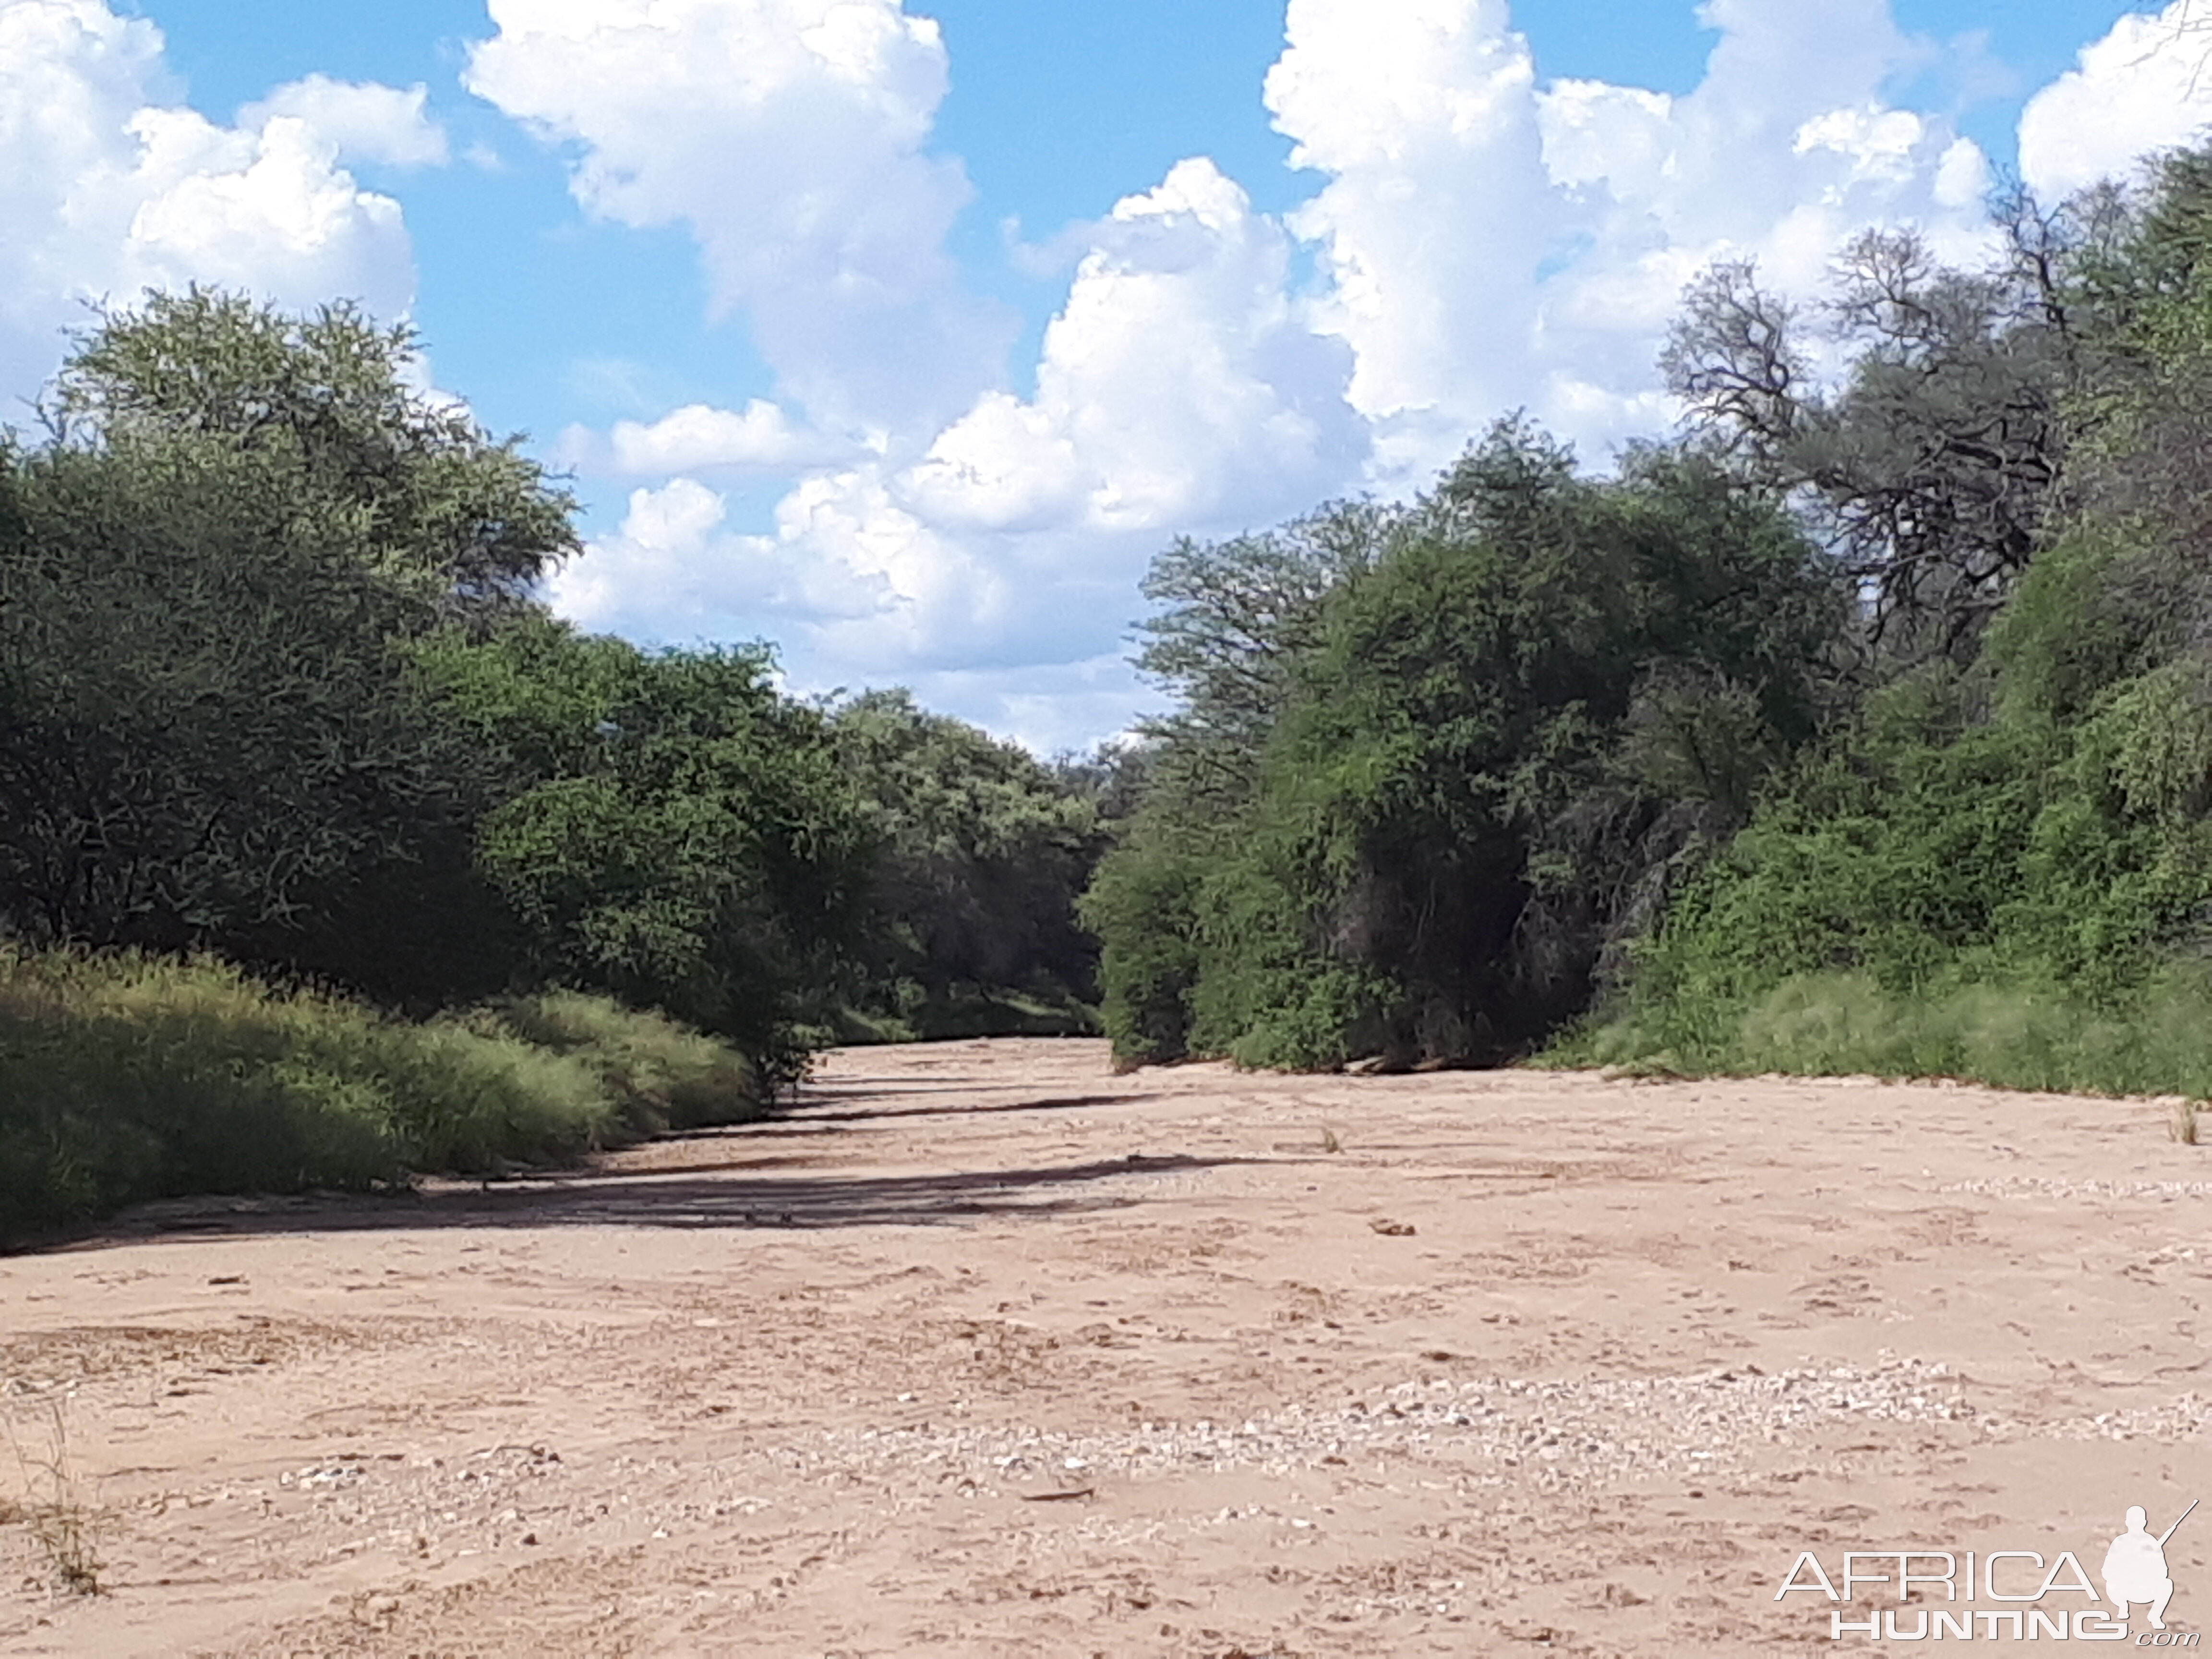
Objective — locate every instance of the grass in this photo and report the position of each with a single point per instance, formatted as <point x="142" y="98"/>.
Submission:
<point x="125" y="1077"/>
<point x="52" y="1511"/>
<point x="2156" y="1041"/>
<point x="661" y="1075"/>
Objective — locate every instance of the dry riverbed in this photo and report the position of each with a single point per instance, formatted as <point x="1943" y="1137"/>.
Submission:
<point x="987" y="1351"/>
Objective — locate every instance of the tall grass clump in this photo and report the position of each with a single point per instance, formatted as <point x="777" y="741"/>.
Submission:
<point x="660" y="1074"/>
<point x="2156" y="1042"/>
<point x="125" y="1077"/>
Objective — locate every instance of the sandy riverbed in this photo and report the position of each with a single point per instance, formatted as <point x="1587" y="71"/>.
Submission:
<point x="987" y="1351"/>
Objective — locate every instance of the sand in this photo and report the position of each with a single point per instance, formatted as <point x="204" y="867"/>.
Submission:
<point x="985" y="1350"/>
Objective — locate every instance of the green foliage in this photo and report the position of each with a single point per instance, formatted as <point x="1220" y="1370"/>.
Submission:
<point x="1142" y="903"/>
<point x="125" y="1077"/>
<point x="1505" y="722"/>
<point x="205" y="576"/>
<point x="2014" y="1034"/>
<point x="325" y="404"/>
<point x="979" y="852"/>
<point x="661" y="1075"/>
<point x="207" y="722"/>
<point x="1234" y="615"/>
<point x="2006" y="872"/>
<point x="681" y="837"/>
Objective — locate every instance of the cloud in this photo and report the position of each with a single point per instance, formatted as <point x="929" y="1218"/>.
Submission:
<point x="1180" y="384"/>
<point x="788" y="135"/>
<point x="882" y="602"/>
<point x="365" y="121"/>
<point x="700" y="438"/>
<point x="2146" y="85"/>
<point x="1180" y="388"/>
<point x="844" y="562"/>
<point x="1494" y="241"/>
<point x="108" y="186"/>
<point x="1484" y="239"/>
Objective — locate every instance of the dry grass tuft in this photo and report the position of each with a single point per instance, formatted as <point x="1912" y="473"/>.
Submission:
<point x="53" y="1510"/>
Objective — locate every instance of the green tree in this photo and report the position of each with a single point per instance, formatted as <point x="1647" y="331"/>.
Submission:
<point x="2032" y="830"/>
<point x="207" y="722"/>
<point x="329" y="405"/>
<point x="685" y="838"/>
<point x="981" y="851"/>
<point x="1540" y="696"/>
<point x="210" y="573"/>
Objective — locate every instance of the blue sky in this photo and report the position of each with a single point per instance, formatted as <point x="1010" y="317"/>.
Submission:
<point x="904" y="336"/>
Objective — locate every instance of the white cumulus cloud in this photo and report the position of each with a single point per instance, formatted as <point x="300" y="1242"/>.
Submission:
<point x="788" y="135"/>
<point x="1493" y="240"/>
<point x="1483" y="239"/>
<point x="701" y="438"/>
<point x="2146" y="85"/>
<point x="1181" y="387"/>
<point x="366" y="121"/>
<point x="1180" y="384"/>
<point x="109" y="186"/>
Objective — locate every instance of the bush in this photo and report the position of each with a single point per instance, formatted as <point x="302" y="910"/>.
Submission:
<point x="1417" y="798"/>
<point x="125" y="1077"/>
<point x="2016" y="1036"/>
<point x="661" y="1075"/>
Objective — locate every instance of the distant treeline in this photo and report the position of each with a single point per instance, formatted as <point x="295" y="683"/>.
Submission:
<point x="1866" y="725"/>
<point x="274" y="692"/>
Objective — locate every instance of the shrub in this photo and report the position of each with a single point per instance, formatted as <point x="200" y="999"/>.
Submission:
<point x="2019" y="1034"/>
<point x="661" y="1075"/>
<point x="125" y="1077"/>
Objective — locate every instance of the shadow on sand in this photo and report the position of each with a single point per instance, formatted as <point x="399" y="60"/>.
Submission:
<point x="749" y="1176"/>
<point x="688" y="1198"/>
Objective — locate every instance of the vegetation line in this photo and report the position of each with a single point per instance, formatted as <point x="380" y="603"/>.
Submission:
<point x="1863" y="725"/>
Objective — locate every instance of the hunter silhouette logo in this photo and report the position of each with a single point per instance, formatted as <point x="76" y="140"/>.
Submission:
<point x="2135" y="1567"/>
<point x="1931" y="1588"/>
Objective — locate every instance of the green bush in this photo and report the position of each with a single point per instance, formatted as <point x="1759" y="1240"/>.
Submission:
<point x="661" y="1075"/>
<point x="125" y="1077"/>
<point x="2015" y="1036"/>
<point x="1422" y="789"/>
<point x="2004" y="873"/>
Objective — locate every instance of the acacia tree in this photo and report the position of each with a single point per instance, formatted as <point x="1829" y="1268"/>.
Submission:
<point x="678" y="834"/>
<point x="328" y="403"/>
<point x="1491" y="742"/>
<point x="1232" y="616"/>
<point x="1932" y="469"/>
<point x="207" y="569"/>
<point x="980" y="852"/>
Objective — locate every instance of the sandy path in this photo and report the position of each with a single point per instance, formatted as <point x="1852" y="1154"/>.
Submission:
<point x="1532" y="1364"/>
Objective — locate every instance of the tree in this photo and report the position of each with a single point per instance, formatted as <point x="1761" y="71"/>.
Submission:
<point x="682" y="837"/>
<point x="326" y="401"/>
<point x="981" y="851"/>
<point x="1932" y="469"/>
<point x="207" y="722"/>
<point x="1541" y="695"/>
<point x="2015" y="854"/>
<point x="1234" y="614"/>
<point x="209" y="572"/>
